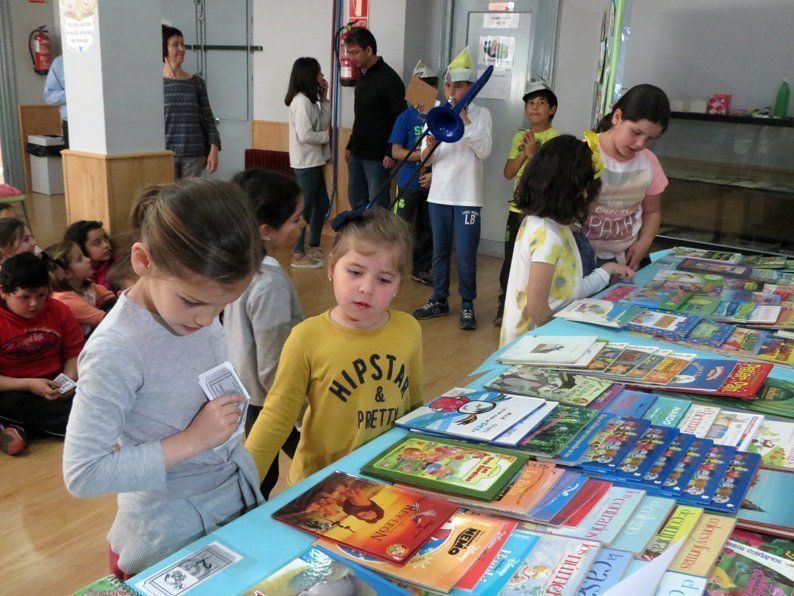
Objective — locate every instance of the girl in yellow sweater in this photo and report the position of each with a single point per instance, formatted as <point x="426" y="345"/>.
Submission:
<point x="358" y="366"/>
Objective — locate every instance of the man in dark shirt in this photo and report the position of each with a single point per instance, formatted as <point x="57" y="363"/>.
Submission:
<point x="379" y="99"/>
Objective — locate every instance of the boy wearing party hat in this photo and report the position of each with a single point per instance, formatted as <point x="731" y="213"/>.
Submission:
<point x="412" y="204"/>
<point x="456" y="197"/>
<point x="540" y="105"/>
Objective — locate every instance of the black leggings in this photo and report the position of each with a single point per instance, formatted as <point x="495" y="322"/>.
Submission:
<point x="38" y="416"/>
<point x="271" y="478"/>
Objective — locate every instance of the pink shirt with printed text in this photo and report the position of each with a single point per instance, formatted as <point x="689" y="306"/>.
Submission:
<point x="615" y="222"/>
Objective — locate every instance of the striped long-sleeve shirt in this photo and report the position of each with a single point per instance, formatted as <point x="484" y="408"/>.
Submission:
<point x="187" y="115"/>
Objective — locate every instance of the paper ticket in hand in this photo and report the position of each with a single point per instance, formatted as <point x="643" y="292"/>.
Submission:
<point x="223" y="380"/>
<point x="65" y="384"/>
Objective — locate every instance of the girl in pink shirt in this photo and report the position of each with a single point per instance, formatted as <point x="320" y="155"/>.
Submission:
<point x="625" y="219"/>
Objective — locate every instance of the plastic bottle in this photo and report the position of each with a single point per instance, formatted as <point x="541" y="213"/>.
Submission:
<point x="781" y="101"/>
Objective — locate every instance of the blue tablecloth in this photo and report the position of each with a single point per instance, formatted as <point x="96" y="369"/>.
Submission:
<point x="266" y="545"/>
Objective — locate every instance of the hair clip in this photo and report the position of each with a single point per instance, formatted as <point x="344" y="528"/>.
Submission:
<point x="591" y="138"/>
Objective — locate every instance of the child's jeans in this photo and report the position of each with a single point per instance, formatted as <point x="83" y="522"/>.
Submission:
<point x="38" y="416"/>
<point x="464" y="224"/>
<point x="366" y="178"/>
<point x="315" y="206"/>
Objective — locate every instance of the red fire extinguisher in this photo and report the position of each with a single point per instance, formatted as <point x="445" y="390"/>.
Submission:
<point x="348" y="70"/>
<point x="39" y="48"/>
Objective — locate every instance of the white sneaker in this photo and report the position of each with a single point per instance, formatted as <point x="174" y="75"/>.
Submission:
<point x="303" y="261"/>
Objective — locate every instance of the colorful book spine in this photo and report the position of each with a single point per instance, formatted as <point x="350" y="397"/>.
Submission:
<point x="643" y="524"/>
<point x="677" y="527"/>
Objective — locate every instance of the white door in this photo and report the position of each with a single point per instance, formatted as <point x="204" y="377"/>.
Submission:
<point x="520" y="44"/>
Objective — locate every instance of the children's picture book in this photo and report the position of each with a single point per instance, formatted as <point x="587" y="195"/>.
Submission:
<point x="710" y="333"/>
<point x="319" y="571"/>
<point x="606" y="571"/>
<point x="667" y="411"/>
<point x="704" y="482"/>
<point x="443" y="559"/>
<point x="554" y="385"/>
<point x="603" y="400"/>
<point x="582" y="504"/>
<point x="477" y="571"/>
<point x="383" y="521"/>
<point x="730" y="378"/>
<point x="767" y="506"/>
<point x="575" y="450"/>
<point x="764" y="262"/>
<point x="629" y="359"/>
<point x="606" y="357"/>
<point x="697" y="283"/>
<point x="617" y="292"/>
<point x="513" y="436"/>
<point x="598" y="312"/>
<point x="107" y="585"/>
<point x="704" y="545"/>
<point x="645" y="452"/>
<point x="556" y="349"/>
<point x="764" y="314"/>
<point x="743" y="569"/>
<point x="775" y="397"/>
<point x="473" y="415"/>
<point x="658" y="298"/>
<point x="678" y="526"/>
<point x="669" y="367"/>
<point x="744" y="343"/>
<point x="705" y="266"/>
<point x="700" y="306"/>
<point x="646" y="366"/>
<point x="736" y="429"/>
<point x="447" y="466"/>
<point x="556" y="565"/>
<point x="778" y="350"/>
<point x="663" y="324"/>
<point x="698" y="420"/>
<point x="686" y="467"/>
<point x="676" y="584"/>
<point x="630" y="403"/>
<point x="780" y="547"/>
<point x="562" y="493"/>
<point x="736" y="482"/>
<point x="607" y="518"/>
<point x="608" y="448"/>
<point x="643" y="524"/>
<point x="687" y="252"/>
<point x="774" y="442"/>
<point x="670" y="458"/>
<point x="558" y="431"/>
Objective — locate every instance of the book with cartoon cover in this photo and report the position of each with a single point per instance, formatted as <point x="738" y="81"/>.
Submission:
<point x="386" y="522"/>
<point x="767" y="505"/>
<point x="687" y="252"/>
<point x="774" y="442"/>
<point x="604" y="313"/>
<point x="658" y="299"/>
<point x="670" y="458"/>
<point x="554" y="385"/>
<point x="736" y="481"/>
<point x="667" y="411"/>
<point x="743" y="569"/>
<point x="629" y="359"/>
<point x="729" y="378"/>
<point x="744" y="343"/>
<point x="736" y="429"/>
<point x="555" y="433"/>
<point x="556" y="349"/>
<point x="630" y="403"/>
<point x="704" y="482"/>
<point x="663" y="324"/>
<point x="645" y="452"/>
<point x="697" y="283"/>
<point x="700" y="306"/>
<point x="447" y="466"/>
<point x="612" y="443"/>
<point x="706" y="266"/>
<point x="710" y="333"/>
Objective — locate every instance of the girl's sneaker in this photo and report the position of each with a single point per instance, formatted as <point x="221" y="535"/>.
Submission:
<point x="301" y="260"/>
<point x="316" y="253"/>
<point x="12" y="439"/>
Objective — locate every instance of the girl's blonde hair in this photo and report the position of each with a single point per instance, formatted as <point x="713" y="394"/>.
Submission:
<point x="200" y="226"/>
<point x="57" y="259"/>
<point x="379" y="229"/>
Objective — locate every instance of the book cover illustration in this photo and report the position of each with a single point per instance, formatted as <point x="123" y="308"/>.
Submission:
<point x="646" y="452"/>
<point x="686" y="252"/>
<point x="705" y="266"/>
<point x="442" y="560"/>
<point x="617" y="292"/>
<point x="513" y="436"/>
<point x="606" y="357"/>
<point x="630" y="403"/>
<point x="557" y="349"/>
<point x="663" y="324"/>
<point x="383" y="521"/>
<point x="700" y="306"/>
<point x="477" y="571"/>
<point x="575" y="450"/>
<point x="698" y="420"/>
<point x="667" y="411"/>
<point x="555" y="433"/>
<point x="736" y="429"/>
<point x="667" y="369"/>
<point x="678" y="526"/>
<point x="736" y="481"/>
<point x="778" y="350"/>
<point x="609" y="447"/>
<point x="780" y="547"/>
<point x="721" y="377"/>
<point x="318" y="571"/>
<point x="607" y="518"/>
<point x="643" y="524"/>
<point x="742" y="569"/>
<point x="703" y="485"/>
<point x="744" y="343"/>
<point x="686" y="467"/>
<point x="603" y="400"/>
<point x="562" y="493"/>
<point x="663" y="467"/>
<point x="628" y="359"/>
<point x="697" y="283"/>
<point x="710" y="333"/>
<point x="447" y="466"/>
<point x="582" y="503"/>
<point x="774" y="442"/>
<point x="658" y="298"/>
<point x="554" y="385"/>
<point x="107" y="585"/>
<point x="606" y="571"/>
<point x="555" y="566"/>
<point x="767" y="506"/>
<point x="478" y="415"/>
<point x="646" y="366"/>
<point x="598" y="312"/>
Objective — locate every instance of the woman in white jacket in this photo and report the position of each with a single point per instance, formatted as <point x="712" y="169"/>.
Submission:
<point x="309" y="117"/>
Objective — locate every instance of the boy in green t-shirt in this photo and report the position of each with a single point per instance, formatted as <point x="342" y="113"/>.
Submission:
<point x="540" y="105"/>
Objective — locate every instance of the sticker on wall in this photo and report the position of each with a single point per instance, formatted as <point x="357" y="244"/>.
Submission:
<point x="497" y="50"/>
<point x="500" y="21"/>
<point x="78" y="24"/>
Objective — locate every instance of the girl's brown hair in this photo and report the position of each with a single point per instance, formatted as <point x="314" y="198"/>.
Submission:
<point x="200" y="226"/>
<point x="58" y="259"/>
<point x="379" y="228"/>
<point x="11" y="231"/>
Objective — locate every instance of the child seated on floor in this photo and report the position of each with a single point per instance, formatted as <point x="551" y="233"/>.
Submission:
<point x="15" y="238"/>
<point x="70" y="283"/>
<point x="93" y="240"/>
<point x="358" y="366"/>
<point x="40" y="340"/>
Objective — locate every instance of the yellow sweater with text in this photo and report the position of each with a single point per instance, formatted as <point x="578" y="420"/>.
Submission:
<point x="355" y="383"/>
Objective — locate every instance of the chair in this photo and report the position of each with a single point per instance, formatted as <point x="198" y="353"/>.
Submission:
<point x="10" y="195"/>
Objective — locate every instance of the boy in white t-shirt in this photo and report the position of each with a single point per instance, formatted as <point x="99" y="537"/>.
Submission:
<point x="455" y="198"/>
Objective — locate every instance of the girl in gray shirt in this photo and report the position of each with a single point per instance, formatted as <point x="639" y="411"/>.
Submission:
<point x="140" y="424"/>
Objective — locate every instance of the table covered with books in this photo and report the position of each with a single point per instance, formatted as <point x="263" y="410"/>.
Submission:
<point x="654" y="447"/>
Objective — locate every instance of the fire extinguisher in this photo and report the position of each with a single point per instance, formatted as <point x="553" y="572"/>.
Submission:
<point x="39" y="48"/>
<point x="348" y="70"/>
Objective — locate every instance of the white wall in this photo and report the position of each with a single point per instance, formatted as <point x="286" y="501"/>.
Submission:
<point x="693" y="48"/>
<point x="423" y="35"/>
<point x="305" y="30"/>
<point x="26" y="17"/>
